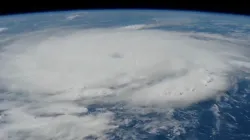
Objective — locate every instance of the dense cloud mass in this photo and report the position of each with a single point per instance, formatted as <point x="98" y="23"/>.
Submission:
<point x="49" y="79"/>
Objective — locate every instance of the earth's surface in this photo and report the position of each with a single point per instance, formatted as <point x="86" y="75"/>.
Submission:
<point x="126" y="75"/>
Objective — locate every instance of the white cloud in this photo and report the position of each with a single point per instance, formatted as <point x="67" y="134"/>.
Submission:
<point x="82" y="62"/>
<point x="153" y="68"/>
<point x="140" y="26"/>
<point x="71" y="17"/>
<point x="22" y="125"/>
<point x="75" y="15"/>
<point x="3" y="29"/>
<point x="216" y="111"/>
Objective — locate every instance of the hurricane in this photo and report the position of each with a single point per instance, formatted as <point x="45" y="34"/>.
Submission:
<point x="116" y="82"/>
